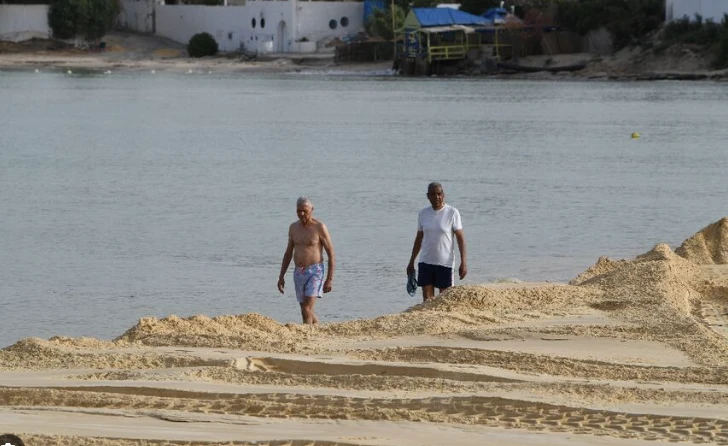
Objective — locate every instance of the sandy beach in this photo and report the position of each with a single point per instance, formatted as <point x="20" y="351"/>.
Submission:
<point x="128" y="52"/>
<point x="627" y="353"/>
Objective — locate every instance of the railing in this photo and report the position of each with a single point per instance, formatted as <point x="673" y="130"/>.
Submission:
<point x="447" y="52"/>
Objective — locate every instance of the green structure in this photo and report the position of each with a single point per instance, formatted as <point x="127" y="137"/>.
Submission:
<point x="433" y="35"/>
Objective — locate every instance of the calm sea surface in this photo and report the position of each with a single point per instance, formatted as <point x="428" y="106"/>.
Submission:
<point x="132" y="195"/>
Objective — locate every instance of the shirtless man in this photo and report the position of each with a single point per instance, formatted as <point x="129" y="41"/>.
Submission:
<point x="307" y="239"/>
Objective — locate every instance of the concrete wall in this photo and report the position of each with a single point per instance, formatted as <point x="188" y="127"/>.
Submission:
<point x="708" y="9"/>
<point x="262" y="26"/>
<point x="314" y="19"/>
<point x="137" y="15"/>
<point x="23" y="22"/>
<point x="231" y="26"/>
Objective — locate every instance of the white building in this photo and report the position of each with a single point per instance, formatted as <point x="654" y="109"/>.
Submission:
<point x="23" y="22"/>
<point x="258" y="25"/>
<point x="708" y="9"/>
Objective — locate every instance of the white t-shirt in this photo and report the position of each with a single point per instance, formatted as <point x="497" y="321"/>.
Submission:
<point x="438" y="228"/>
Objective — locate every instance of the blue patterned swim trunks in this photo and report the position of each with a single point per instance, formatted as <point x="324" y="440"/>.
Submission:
<point x="309" y="281"/>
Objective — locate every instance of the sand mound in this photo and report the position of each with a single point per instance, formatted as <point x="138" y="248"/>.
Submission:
<point x="657" y="280"/>
<point x="530" y="301"/>
<point x="708" y="246"/>
<point x="657" y="292"/>
<point x="38" y="354"/>
<point x="251" y="323"/>
<point x="251" y="331"/>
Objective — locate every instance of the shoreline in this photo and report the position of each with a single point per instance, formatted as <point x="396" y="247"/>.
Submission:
<point x="133" y="52"/>
<point x="31" y="62"/>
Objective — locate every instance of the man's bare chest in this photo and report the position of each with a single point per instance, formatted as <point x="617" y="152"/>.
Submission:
<point x="306" y="237"/>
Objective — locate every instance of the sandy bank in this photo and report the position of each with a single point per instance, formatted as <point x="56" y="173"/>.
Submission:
<point x="629" y="351"/>
<point x="129" y="52"/>
<point x="135" y="52"/>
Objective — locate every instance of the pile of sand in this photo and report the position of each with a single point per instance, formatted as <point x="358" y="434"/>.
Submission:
<point x="38" y="354"/>
<point x="707" y="246"/>
<point x="251" y="331"/>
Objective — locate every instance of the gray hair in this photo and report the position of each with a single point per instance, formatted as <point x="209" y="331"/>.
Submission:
<point x="303" y="200"/>
<point x="433" y="185"/>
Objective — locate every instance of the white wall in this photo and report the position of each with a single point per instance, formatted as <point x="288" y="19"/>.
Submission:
<point x="314" y="17"/>
<point x="231" y="26"/>
<point x="137" y="15"/>
<point x="708" y="9"/>
<point x="23" y="22"/>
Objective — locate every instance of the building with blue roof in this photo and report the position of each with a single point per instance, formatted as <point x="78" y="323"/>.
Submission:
<point x="436" y="35"/>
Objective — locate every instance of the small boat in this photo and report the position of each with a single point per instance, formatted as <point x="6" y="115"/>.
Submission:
<point x="526" y="69"/>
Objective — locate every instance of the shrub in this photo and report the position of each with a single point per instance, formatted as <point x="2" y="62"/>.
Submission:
<point x="722" y="59"/>
<point x="202" y="44"/>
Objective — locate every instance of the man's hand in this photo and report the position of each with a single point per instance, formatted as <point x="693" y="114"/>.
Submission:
<point x="410" y="268"/>
<point x="463" y="270"/>
<point x="281" y="284"/>
<point x="327" y="285"/>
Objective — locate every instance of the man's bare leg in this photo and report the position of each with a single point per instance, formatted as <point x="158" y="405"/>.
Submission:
<point x="428" y="292"/>
<point x="307" y="310"/>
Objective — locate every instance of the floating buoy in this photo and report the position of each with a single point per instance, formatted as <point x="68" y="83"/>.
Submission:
<point x="635" y="135"/>
<point x="153" y="71"/>
<point x="69" y="72"/>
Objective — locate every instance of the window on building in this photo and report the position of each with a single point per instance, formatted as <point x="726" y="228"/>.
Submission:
<point x="252" y="22"/>
<point x="344" y="21"/>
<point x="333" y="24"/>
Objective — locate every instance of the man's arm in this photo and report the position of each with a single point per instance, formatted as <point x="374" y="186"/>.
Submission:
<point x="415" y="250"/>
<point x="286" y="261"/>
<point x="460" y="237"/>
<point x="329" y="248"/>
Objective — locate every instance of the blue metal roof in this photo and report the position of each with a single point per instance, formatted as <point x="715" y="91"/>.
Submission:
<point x="447" y="16"/>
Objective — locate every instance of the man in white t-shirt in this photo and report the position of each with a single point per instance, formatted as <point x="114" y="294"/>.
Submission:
<point x="437" y="226"/>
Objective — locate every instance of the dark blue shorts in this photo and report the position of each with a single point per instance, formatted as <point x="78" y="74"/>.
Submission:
<point x="439" y="276"/>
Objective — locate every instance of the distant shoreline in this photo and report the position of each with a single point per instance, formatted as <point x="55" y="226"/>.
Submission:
<point x="97" y="62"/>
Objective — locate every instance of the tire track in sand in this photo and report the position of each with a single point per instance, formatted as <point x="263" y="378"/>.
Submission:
<point x="485" y="411"/>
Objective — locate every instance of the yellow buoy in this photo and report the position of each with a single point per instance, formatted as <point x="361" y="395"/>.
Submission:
<point x="635" y="135"/>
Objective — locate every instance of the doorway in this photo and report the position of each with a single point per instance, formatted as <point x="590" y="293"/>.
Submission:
<point x="282" y="38"/>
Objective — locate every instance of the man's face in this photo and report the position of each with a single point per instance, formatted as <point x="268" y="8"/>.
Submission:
<point x="436" y="197"/>
<point x="304" y="212"/>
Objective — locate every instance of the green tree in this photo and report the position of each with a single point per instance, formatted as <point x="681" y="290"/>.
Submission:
<point x="89" y="18"/>
<point x="98" y="18"/>
<point x="380" y="22"/>
<point x="63" y="18"/>
<point x="627" y="20"/>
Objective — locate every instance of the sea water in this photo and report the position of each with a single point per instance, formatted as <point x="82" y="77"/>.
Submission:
<point x="128" y="195"/>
